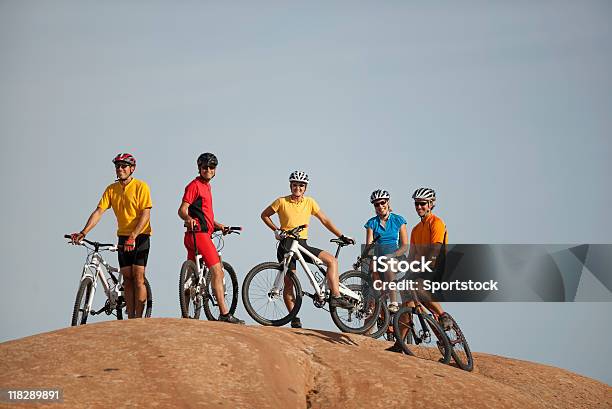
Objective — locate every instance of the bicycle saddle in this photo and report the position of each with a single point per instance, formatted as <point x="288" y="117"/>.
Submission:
<point x="339" y="242"/>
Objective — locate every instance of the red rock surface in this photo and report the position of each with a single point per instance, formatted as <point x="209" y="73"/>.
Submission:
<point x="174" y="363"/>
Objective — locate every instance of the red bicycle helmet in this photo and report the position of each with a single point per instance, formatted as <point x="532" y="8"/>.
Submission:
<point x="126" y="158"/>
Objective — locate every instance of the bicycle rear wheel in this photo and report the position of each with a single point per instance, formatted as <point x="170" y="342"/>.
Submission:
<point x="460" y="350"/>
<point x="149" y="302"/>
<point x="365" y="311"/>
<point x="263" y="302"/>
<point x="80" y="311"/>
<point x="230" y="292"/>
<point x="428" y="339"/>
<point x="190" y="295"/>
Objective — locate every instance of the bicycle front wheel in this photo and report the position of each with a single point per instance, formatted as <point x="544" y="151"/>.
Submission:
<point x="230" y="293"/>
<point x="191" y="296"/>
<point x="366" y="308"/>
<point x="266" y="304"/>
<point x="81" y="309"/>
<point x="149" y="302"/>
<point x="428" y="339"/>
<point x="460" y="350"/>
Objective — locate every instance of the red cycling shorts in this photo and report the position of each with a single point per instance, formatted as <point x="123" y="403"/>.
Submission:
<point x="205" y="247"/>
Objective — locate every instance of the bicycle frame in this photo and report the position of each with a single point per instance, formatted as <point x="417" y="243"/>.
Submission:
<point x="93" y="270"/>
<point x="419" y="309"/>
<point x="202" y="269"/>
<point x="296" y="250"/>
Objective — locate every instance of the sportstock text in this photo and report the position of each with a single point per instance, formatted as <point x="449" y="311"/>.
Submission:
<point x="384" y="264"/>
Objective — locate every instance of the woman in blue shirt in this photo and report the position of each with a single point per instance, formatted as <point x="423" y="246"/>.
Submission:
<point x="390" y="228"/>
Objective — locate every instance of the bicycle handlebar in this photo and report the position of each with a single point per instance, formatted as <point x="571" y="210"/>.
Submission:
<point x="365" y="253"/>
<point x="369" y="247"/>
<point x="95" y="244"/>
<point x="228" y="229"/>
<point x="233" y="229"/>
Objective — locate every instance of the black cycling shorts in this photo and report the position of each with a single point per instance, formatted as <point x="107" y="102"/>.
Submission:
<point x="136" y="257"/>
<point x="284" y="247"/>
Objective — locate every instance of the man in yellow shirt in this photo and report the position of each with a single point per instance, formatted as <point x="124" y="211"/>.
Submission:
<point x="131" y="202"/>
<point x="293" y="211"/>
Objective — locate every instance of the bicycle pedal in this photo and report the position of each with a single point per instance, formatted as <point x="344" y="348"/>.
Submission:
<point x="93" y="312"/>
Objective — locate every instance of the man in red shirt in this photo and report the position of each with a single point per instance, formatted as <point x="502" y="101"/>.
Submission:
<point x="197" y="211"/>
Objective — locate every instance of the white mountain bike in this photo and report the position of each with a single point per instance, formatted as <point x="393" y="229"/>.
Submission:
<point x="263" y="291"/>
<point x="112" y="285"/>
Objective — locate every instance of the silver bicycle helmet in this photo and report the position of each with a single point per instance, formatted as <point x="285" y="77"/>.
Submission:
<point x="424" y="193"/>
<point x="379" y="194"/>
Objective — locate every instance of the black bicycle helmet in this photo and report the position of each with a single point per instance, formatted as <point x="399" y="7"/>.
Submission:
<point x="207" y="159"/>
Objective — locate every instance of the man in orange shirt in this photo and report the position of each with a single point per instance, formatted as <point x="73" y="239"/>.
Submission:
<point x="426" y="240"/>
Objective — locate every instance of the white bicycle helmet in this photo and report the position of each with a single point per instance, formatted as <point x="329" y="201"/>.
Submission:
<point x="424" y="193"/>
<point x="298" y="176"/>
<point x="379" y="194"/>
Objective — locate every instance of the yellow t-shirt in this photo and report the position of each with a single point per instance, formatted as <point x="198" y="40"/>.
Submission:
<point x="293" y="214"/>
<point x="127" y="203"/>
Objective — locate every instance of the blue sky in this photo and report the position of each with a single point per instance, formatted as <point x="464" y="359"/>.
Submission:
<point x="504" y="108"/>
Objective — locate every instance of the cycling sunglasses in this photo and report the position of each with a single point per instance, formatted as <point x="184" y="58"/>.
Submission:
<point x="121" y="165"/>
<point x="298" y="184"/>
<point x="380" y="203"/>
<point x="416" y="204"/>
<point x="208" y="167"/>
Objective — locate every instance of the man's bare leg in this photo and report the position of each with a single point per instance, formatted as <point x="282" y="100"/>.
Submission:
<point x="140" y="290"/>
<point x="128" y="290"/>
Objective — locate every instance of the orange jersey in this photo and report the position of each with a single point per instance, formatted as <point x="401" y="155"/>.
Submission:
<point x="430" y="230"/>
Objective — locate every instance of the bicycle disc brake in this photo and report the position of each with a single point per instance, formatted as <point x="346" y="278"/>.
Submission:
<point x="424" y="336"/>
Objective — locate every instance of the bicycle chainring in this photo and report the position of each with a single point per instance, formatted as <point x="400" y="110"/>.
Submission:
<point x="107" y="307"/>
<point x="319" y="303"/>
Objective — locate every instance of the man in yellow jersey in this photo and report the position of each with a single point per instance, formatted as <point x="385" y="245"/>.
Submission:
<point x="293" y="211"/>
<point x="426" y="240"/>
<point x="130" y="199"/>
